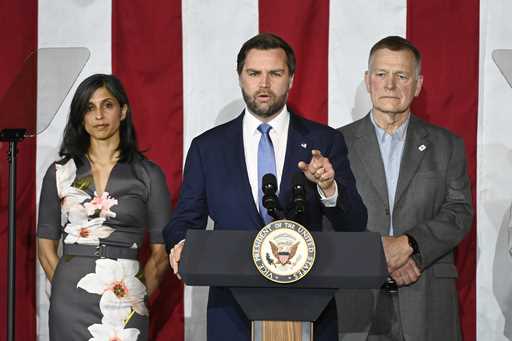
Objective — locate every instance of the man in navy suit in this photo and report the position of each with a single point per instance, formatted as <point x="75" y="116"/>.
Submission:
<point x="221" y="177"/>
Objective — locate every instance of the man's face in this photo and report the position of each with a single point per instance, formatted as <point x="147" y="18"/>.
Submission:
<point x="265" y="81"/>
<point x="392" y="82"/>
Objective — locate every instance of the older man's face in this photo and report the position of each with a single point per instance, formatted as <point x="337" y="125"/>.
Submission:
<point x="265" y="81"/>
<point x="392" y="82"/>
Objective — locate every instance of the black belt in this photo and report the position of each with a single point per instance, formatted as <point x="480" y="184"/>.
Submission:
<point x="100" y="251"/>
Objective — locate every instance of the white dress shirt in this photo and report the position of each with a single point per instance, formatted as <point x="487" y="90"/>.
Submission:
<point x="279" y="136"/>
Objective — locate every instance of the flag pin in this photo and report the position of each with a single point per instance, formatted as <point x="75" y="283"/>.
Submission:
<point x="422" y="148"/>
<point x="304" y="145"/>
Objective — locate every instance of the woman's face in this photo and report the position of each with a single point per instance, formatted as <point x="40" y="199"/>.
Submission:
<point x="104" y="115"/>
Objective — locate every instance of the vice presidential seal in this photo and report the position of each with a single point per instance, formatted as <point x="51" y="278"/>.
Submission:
<point x="284" y="251"/>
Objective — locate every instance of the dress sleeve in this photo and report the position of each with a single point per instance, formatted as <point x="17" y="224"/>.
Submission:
<point x="49" y="221"/>
<point x="159" y="203"/>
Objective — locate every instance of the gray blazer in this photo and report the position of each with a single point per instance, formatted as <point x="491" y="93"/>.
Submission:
<point x="432" y="204"/>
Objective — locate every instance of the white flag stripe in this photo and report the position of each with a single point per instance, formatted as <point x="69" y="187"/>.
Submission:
<point x="494" y="191"/>
<point x="212" y="36"/>
<point x="87" y="25"/>
<point x="67" y="24"/>
<point x="348" y="53"/>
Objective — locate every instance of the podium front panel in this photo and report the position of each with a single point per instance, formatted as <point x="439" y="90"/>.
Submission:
<point x="348" y="260"/>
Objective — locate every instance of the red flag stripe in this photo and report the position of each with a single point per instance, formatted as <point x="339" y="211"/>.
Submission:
<point x="147" y="56"/>
<point x="450" y="47"/>
<point x="305" y="25"/>
<point x="18" y="33"/>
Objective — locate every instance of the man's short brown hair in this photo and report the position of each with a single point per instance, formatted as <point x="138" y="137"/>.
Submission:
<point x="396" y="43"/>
<point x="266" y="41"/>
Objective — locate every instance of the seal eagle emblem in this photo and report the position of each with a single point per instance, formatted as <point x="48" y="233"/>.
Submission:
<point x="284" y="251"/>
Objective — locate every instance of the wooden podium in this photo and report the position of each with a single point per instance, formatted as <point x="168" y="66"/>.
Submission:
<point x="344" y="260"/>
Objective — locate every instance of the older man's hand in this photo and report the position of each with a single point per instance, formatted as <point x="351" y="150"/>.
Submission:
<point x="397" y="251"/>
<point x="409" y="273"/>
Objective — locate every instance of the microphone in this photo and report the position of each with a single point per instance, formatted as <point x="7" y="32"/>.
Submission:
<point x="270" y="200"/>
<point x="299" y="192"/>
<point x="269" y="188"/>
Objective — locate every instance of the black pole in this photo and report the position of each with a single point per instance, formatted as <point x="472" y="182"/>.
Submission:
<point x="13" y="136"/>
<point x="12" y="240"/>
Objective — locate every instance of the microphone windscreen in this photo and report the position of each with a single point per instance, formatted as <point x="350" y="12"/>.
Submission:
<point x="298" y="180"/>
<point x="299" y="191"/>
<point x="269" y="182"/>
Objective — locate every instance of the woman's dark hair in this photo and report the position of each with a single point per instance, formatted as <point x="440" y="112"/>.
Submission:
<point x="76" y="140"/>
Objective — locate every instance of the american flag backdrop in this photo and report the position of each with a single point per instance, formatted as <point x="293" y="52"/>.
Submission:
<point x="177" y="61"/>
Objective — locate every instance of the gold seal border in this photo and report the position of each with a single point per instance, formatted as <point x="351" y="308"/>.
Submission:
<point x="269" y="228"/>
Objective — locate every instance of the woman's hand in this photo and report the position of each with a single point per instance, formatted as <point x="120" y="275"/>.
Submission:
<point x="156" y="266"/>
<point x="47" y="254"/>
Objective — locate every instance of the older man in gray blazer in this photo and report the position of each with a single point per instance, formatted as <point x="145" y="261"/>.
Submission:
<point x="413" y="178"/>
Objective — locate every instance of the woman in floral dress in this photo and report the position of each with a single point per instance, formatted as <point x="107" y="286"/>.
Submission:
<point x="100" y="198"/>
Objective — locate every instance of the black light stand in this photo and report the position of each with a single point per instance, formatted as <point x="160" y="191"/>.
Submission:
<point x="13" y="136"/>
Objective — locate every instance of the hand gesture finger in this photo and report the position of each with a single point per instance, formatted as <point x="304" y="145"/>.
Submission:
<point x="320" y="171"/>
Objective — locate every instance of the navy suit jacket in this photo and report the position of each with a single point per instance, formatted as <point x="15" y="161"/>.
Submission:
<point x="216" y="184"/>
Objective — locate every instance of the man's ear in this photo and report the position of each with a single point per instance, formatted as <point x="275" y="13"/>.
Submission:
<point x="419" y="85"/>
<point x="367" y="80"/>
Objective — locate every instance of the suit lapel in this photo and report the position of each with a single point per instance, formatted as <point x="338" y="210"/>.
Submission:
<point x="238" y="162"/>
<point x="366" y="148"/>
<point x="416" y="145"/>
<point x="297" y="149"/>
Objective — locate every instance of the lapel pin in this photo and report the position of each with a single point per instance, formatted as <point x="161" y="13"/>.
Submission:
<point x="422" y="148"/>
<point x="304" y="145"/>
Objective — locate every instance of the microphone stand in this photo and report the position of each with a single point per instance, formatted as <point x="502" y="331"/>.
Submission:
<point x="299" y="196"/>
<point x="13" y="136"/>
<point x="271" y="203"/>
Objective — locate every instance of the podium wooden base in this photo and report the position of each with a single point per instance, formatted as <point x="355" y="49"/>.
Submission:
<point x="282" y="331"/>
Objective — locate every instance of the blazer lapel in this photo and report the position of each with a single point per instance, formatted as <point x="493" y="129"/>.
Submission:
<point x="238" y="162"/>
<point x="366" y="148"/>
<point x="416" y="145"/>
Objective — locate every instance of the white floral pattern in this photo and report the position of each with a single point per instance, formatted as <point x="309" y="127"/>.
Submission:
<point x="101" y="203"/>
<point x="79" y="212"/>
<point x="69" y="195"/>
<point x="107" y="332"/>
<point x="65" y="176"/>
<point x="122" y="293"/>
<point x="72" y="197"/>
<point x="87" y="233"/>
<point x="120" y="289"/>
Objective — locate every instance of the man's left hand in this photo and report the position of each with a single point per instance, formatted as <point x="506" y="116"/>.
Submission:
<point x="320" y="171"/>
<point x="409" y="273"/>
<point x="397" y="251"/>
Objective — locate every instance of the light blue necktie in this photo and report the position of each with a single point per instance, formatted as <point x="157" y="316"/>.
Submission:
<point x="266" y="164"/>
